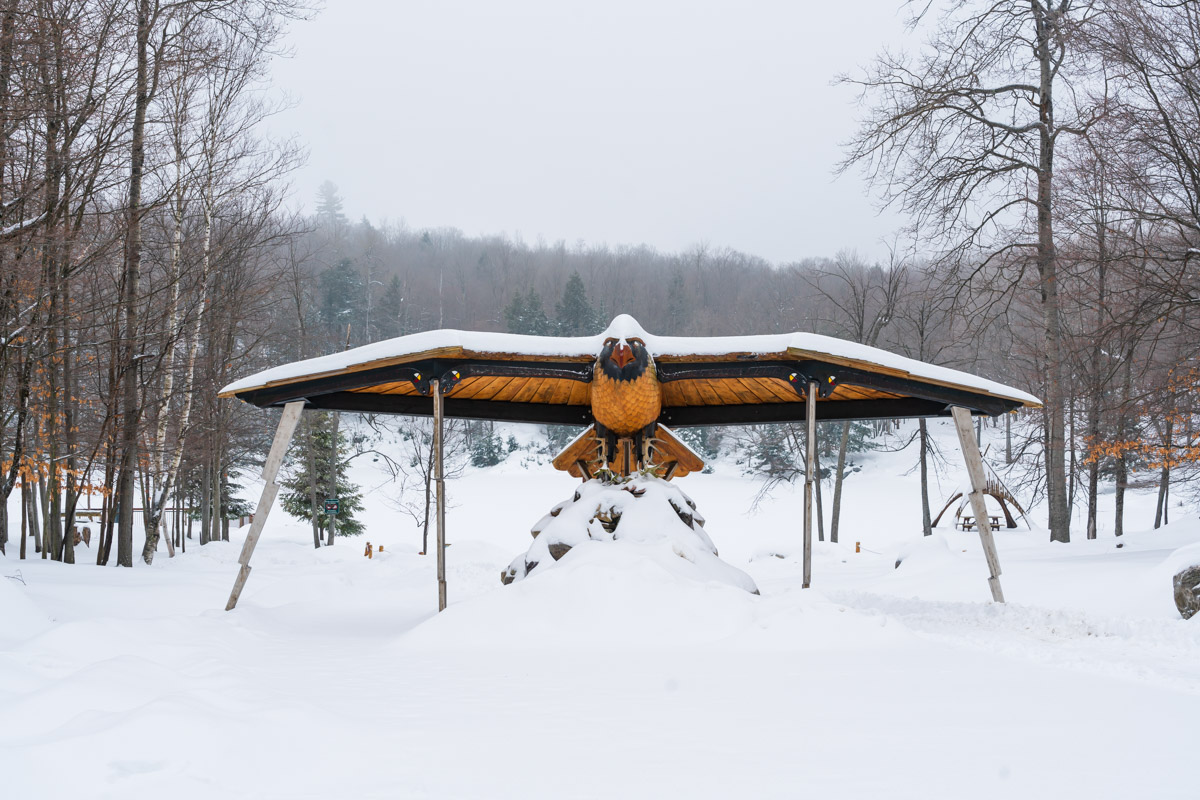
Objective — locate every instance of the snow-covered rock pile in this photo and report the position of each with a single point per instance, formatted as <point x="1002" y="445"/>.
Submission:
<point x="641" y="513"/>
<point x="1185" y="564"/>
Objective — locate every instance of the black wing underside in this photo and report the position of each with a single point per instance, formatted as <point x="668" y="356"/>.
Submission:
<point x="736" y="391"/>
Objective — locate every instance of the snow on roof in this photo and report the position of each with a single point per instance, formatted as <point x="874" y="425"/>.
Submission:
<point x="481" y="344"/>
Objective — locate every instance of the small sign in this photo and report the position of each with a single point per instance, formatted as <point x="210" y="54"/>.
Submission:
<point x="332" y="506"/>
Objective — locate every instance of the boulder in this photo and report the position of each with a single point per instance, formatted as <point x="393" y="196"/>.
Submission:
<point x="1187" y="591"/>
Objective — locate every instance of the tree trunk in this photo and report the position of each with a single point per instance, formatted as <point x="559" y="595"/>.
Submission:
<point x="51" y="535"/>
<point x="331" y="533"/>
<point x="1008" y="438"/>
<point x="926" y="517"/>
<point x="1122" y="465"/>
<point x="205" y="500"/>
<point x="836" y="515"/>
<point x="218" y="492"/>
<point x="310" y="448"/>
<point x="334" y="456"/>
<point x="1164" y="478"/>
<point x="1071" y="450"/>
<point x="428" y="500"/>
<point x="108" y="506"/>
<point x="1093" y="490"/>
<point x="28" y="496"/>
<point x="24" y="525"/>
<point x="70" y="432"/>
<point x="132" y="290"/>
<point x="1094" y="405"/>
<point x="820" y="511"/>
<point x="1047" y="265"/>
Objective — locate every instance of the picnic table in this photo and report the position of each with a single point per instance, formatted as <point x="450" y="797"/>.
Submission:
<point x="968" y="523"/>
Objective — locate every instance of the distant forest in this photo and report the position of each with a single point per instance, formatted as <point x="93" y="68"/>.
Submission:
<point x="1048" y="154"/>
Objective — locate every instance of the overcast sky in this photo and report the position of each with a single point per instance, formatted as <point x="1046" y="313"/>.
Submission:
<point x="666" y="123"/>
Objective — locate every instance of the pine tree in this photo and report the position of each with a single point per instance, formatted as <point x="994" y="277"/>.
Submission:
<point x="389" y="317"/>
<point x="297" y="498"/>
<point x="538" y="323"/>
<point x="524" y="314"/>
<point x="487" y="448"/>
<point x="705" y="441"/>
<point x="341" y="298"/>
<point x="860" y="440"/>
<point x="514" y="314"/>
<point x="575" y="315"/>
<point x="329" y="206"/>
<point x="559" y="436"/>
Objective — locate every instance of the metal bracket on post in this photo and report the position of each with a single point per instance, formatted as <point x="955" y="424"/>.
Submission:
<point x="810" y="401"/>
<point x="970" y="450"/>
<point x="283" y="437"/>
<point x="435" y="389"/>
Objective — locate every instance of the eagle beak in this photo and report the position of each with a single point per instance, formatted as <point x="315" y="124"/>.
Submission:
<point x="622" y="354"/>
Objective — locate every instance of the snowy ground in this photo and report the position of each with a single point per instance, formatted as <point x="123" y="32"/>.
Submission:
<point x="606" y="676"/>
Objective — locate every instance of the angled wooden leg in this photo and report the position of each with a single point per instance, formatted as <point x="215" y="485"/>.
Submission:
<point x="283" y="437"/>
<point x="810" y="401"/>
<point x="970" y="450"/>
<point x="435" y="389"/>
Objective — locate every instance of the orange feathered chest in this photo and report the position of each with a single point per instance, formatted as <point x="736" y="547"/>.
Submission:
<point x="626" y="405"/>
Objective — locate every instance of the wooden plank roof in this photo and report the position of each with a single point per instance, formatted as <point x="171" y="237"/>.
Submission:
<point x="705" y="380"/>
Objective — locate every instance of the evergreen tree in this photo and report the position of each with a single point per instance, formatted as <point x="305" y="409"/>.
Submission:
<point x="559" y="436"/>
<point x="575" y="315"/>
<point x="331" y="480"/>
<point x="232" y="505"/>
<point x="329" y="206"/>
<point x="861" y="438"/>
<point x="526" y="315"/>
<point x="704" y="440"/>
<point x="486" y="448"/>
<point x="766" y="452"/>
<point x="341" y="298"/>
<point x="389" y="316"/>
<point x="514" y="314"/>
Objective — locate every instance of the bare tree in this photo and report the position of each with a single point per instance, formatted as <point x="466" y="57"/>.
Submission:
<point x="963" y="137"/>
<point x="863" y="301"/>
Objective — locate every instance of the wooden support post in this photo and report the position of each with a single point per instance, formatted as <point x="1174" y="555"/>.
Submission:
<point x="283" y="437"/>
<point x="435" y="388"/>
<point x="970" y="450"/>
<point x="810" y="400"/>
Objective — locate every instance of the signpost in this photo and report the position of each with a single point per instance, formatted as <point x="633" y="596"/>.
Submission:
<point x="332" y="506"/>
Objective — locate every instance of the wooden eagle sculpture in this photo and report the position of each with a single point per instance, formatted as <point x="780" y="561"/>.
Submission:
<point x="625" y="387"/>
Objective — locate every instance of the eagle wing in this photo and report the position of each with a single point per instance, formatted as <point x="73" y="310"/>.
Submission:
<point x="497" y="376"/>
<point x="718" y="380"/>
<point x="761" y="379"/>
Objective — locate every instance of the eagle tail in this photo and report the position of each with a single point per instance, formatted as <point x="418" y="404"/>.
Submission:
<point x="583" y="457"/>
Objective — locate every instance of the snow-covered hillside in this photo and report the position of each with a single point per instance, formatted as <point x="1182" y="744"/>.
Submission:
<point x="609" y="675"/>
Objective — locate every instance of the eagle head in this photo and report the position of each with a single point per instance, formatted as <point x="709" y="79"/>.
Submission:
<point x="624" y="359"/>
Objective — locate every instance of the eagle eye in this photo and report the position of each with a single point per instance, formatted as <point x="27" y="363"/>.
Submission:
<point x="610" y="340"/>
<point x="636" y="341"/>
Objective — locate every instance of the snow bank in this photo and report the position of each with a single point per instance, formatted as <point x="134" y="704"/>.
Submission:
<point x="20" y="618"/>
<point x="600" y="594"/>
<point x="1180" y="559"/>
